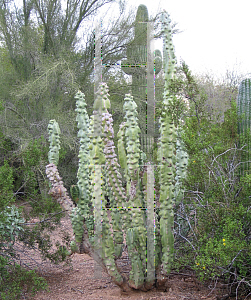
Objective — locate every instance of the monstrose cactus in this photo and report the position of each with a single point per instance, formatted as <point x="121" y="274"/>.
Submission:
<point x="132" y="218"/>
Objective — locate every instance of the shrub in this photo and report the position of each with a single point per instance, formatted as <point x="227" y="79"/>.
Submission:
<point x="6" y="185"/>
<point x="15" y="280"/>
<point x="215" y="213"/>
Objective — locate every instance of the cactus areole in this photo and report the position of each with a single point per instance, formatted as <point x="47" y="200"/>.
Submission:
<point x="132" y="218"/>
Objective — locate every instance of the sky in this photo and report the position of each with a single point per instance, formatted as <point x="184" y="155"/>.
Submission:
<point x="215" y="34"/>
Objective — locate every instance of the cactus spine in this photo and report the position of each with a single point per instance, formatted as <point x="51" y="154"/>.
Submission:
<point x="244" y="109"/>
<point x="99" y="176"/>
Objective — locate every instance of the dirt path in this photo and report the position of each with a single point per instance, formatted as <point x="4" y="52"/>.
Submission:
<point x="76" y="281"/>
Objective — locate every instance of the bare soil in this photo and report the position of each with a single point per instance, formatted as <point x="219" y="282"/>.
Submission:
<point x="76" y="280"/>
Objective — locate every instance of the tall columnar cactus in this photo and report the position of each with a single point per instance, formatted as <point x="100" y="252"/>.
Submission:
<point x="244" y="126"/>
<point x="166" y="153"/>
<point x="136" y="63"/>
<point x="102" y="232"/>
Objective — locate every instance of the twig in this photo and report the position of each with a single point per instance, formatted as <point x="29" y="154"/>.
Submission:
<point x="213" y="288"/>
<point x="185" y="238"/>
<point x="237" y="288"/>
<point x="45" y="220"/>
<point x="76" y="290"/>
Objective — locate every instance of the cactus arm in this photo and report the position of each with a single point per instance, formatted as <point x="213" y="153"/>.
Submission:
<point x="118" y="199"/>
<point x="54" y="139"/>
<point x="57" y="190"/>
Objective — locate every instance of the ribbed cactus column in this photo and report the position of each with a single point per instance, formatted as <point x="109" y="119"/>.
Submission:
<point x="136" y="64"/>
<point x="244" y="109"/>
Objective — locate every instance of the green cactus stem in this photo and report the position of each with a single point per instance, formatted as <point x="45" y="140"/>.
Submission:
<point x="83" y="210"/>
<point x="136" y="236"/>
<point x="74" y="191"/>
<point x="114" y="184"/>
<point x="57" y="190"/>
<point x="136" y="63"/>
<point x="244" y="110"/>
<point x="54" y="139"/>
<point x="166" y="155"/>
<point x="109" y="247"/>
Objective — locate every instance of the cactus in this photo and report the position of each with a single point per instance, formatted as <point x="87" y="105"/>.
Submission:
<point x="136" y="63"/>
<point x="244" y="108"/>
<point x="99" y="176"/>
<point x="181" y="167"/>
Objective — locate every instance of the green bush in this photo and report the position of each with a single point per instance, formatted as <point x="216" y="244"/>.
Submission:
<point x="10" y="226"/>
<point x="24" y="171"/>
<point x="212" y="223"/>
<point x="32" y="159"/>
<point x="15" y="280"/>
<point x="6" y="185"/>
<point x="224" y="246"/>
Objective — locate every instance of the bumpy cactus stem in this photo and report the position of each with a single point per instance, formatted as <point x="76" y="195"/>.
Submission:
<point x="166" y="154"/>
<point x="54" y="139"/>
<point x="57" y="190"/>
<point x="82" y="211"/>
<point x="244" y="108"/>
<point x="136" y="236"/>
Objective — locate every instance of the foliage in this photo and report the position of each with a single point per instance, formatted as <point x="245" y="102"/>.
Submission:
<point x="10" y="226"/>
<point x="22" y="178"/>
<point x="41" y="69"/>
<point x="212" y="222"/>
<point x="6" y="185"/>
<point x="15" y="280"/>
